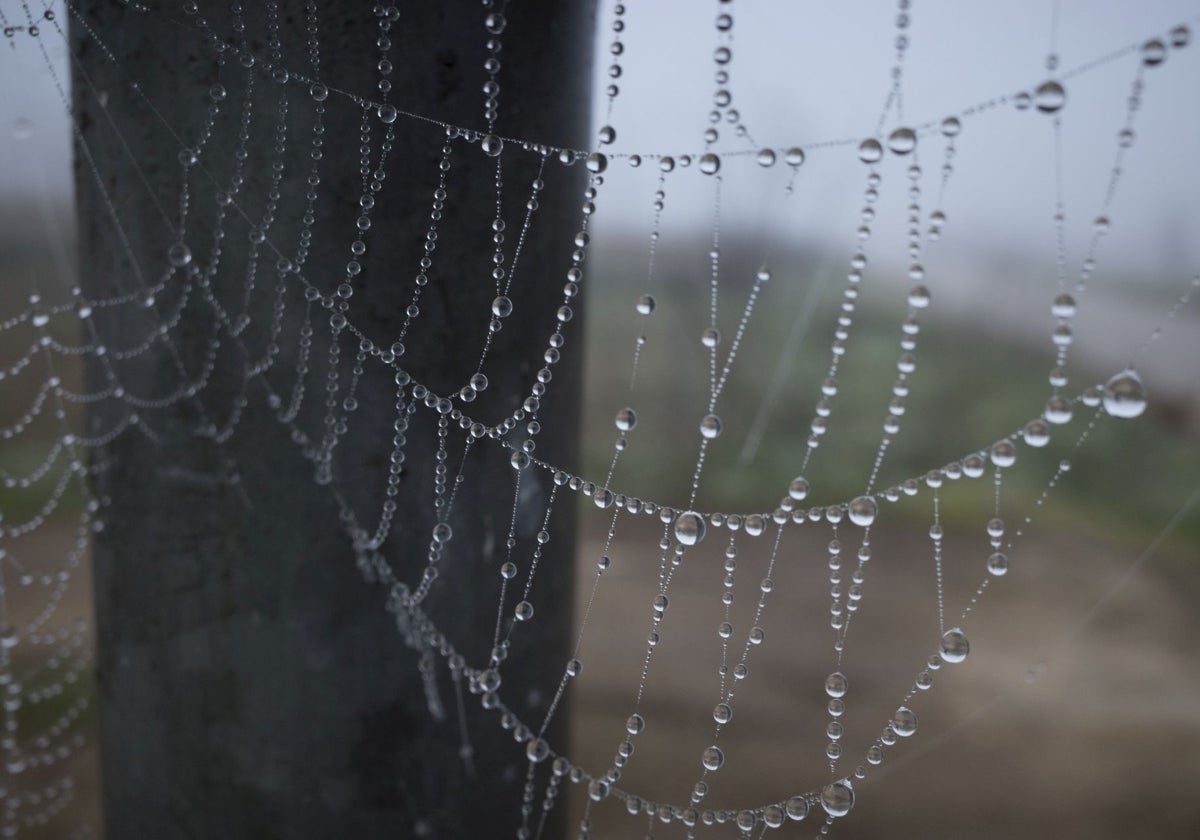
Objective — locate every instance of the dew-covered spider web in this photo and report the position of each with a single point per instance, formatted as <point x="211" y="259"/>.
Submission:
<point x="872" y="295"/>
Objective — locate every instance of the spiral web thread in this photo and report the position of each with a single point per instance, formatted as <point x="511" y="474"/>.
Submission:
<point x="329" y="354"/>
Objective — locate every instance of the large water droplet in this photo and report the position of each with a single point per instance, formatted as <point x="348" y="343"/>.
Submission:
<point x="723" y="713"/>
<point x="836" y="684"/>
<point x="710" y="426"/>
<point x="797" y="808"/>
<point x="1049" y="97"/>
<point x="502" y="307"/>
<point x="863" y="511"/>
<point x="626" y="419"/>
<point x="179" y="255"/>
<point x="902" y="141"/>
<point x="597" y="163"/>
<point x="689" y="528"/>
<point x="798" y="489"/>
<point x="709" y="163"/>
<point x="712" y="758"/>
<point x="869" y="151"/>
<point x="492" y="145"/>
<point x="838" y="798"/>
<point x="904" y="722"/>
<point x="954" y="646"/>
<point x="645" y="304"/>
<point x="1154" y="52"/>
<point x="1124" y="395"/>
<point x="387" y="113"/>
<point x="635" y="724"/>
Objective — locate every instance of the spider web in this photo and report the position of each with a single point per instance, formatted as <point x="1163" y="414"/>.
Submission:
<point x="757" y="487"/>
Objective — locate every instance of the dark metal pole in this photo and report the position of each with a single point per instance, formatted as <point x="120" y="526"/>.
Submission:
<point x="252" y="685"/>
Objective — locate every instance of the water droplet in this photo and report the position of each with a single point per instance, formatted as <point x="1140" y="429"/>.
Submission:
<point x="1124" y="395"/>
<point x="524" y="611"/>
<point x="1154" y="52"/>
<point x="709" y="163"/>
<point x="997" y="564"/>
<point x="797" y="808"/>
<point x="442" y="532"/>
<point x="918" y="297"/>
<point x="1003" y="453"/>
<point x="765" y="157"/>
<point x="836" y="684"/>
<point x="598" y="790"/>
<point x="712" y="758"/>
<point x="869" y="151"/>
<point x="387" y="113"/>
<point x="1049" y="97"/>
<point x="645" y="305"/>
<point x="710" y="426"/>
<point x="773" y="816"/>
<point x="318" y="92"/>
<point x="954" y="646"/>
<point x="798" y="489"/>
<point x="502" y="307"/>
<point x="635" y="724"/>
<point x="723" y="713"/>
<point x="951" y="127"/>
<point x="492" y="145"/>
<point x="495" y="23"/>
<point x="904" y="722"/>
<point x="1058" y="410"/>
<point x="519" y="460"/>
<point x="1180" y="36"/>
<point x="537" y="750"/>
<point x="838" y="798"/>
<point x="689" y="528"/>
<point x="1036" y="433"/>
<point x="863" y="511"/>
<point x="711" y="337"/>
<point x="179" y="255"/>
<point x="626" y="419"/>
<point x="597" y="163"/>
<point x="607" y="134"/>
<point x="1063" y="306"/>
<point x="794" y="156"/>
<point x="901" y="141"/>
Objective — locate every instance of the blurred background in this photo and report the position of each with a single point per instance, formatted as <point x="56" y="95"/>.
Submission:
<point x="1078" y="711"/>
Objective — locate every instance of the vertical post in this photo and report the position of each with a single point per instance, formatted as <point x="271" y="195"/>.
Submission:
<point x="252" y="685"/>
